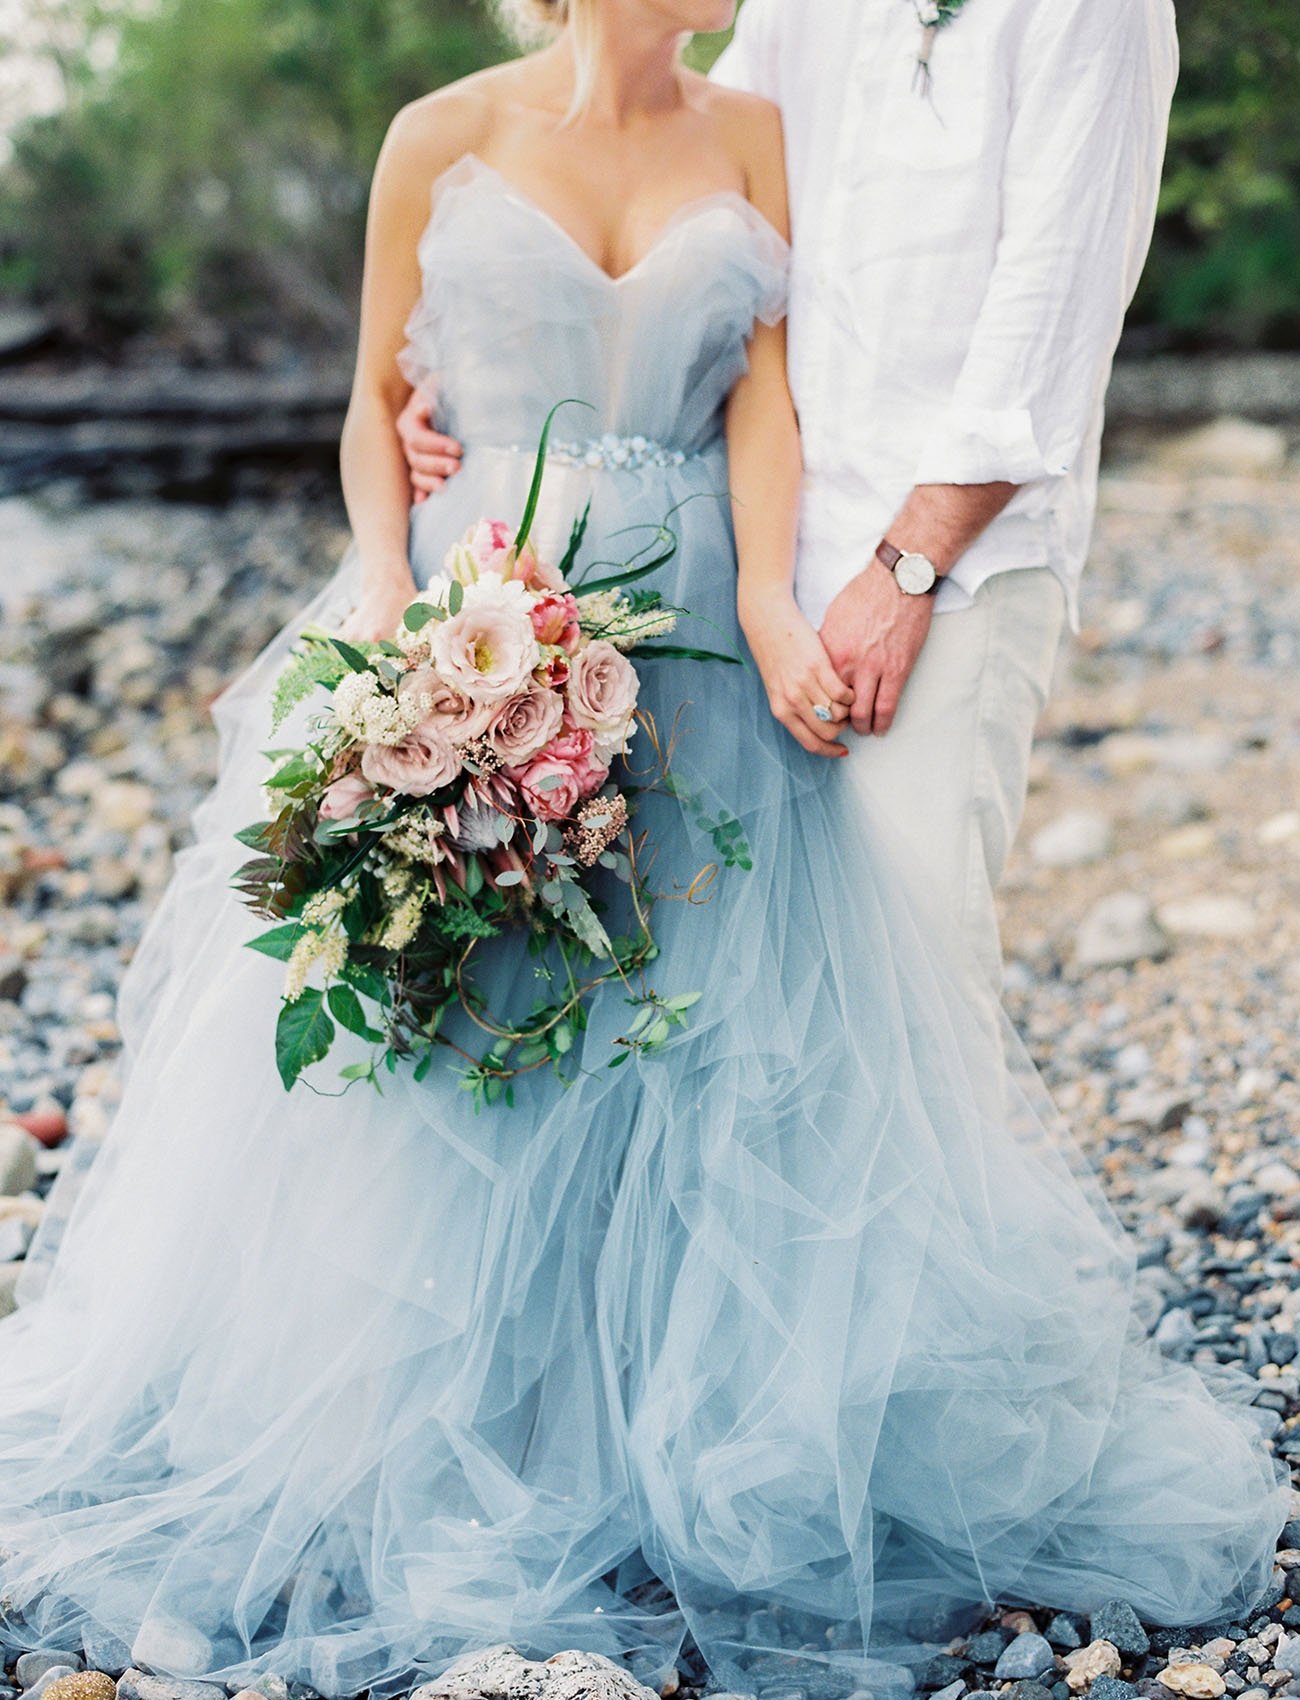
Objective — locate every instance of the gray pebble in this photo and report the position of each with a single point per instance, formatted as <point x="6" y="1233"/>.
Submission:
<point x="31" y="1667"/>
<point x="1119" y="1624"/>
<point x="1029" y="1655"/>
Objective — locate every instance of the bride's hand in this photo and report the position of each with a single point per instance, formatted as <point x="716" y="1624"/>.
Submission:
<point x="379" y="611"/>
<point x="797" y="673"/>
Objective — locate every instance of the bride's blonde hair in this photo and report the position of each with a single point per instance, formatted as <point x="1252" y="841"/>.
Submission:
<point x="532" y="22"/>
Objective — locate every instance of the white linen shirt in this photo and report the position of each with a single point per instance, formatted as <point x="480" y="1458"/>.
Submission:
<point x="962" y="260"/>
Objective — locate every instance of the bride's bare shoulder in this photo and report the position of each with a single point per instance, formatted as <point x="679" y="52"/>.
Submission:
<point x="435" y="130"/>
<point x="751" y="130"/>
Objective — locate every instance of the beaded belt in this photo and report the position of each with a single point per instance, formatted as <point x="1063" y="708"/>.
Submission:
<point x="611" y="453"/>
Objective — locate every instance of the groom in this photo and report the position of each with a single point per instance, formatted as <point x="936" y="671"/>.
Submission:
<point x="972" y="205"/>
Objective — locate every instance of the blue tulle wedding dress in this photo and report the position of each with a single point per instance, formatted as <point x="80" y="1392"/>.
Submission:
<point x="803" y="1338"/>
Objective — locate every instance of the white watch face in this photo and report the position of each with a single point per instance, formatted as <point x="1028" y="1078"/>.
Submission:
<point x="915" y="574"/>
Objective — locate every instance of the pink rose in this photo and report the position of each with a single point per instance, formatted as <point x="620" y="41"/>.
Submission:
<point x="423" y="762"/>
<point x="456" y="717"/>
<point x="571" y="769"/>
<point x="536" y="573"/>
<point x="602" y="689"/>
<point x="577" y="747"/>
<point x="555" y="622"/>
<point x="523" y="723"/>
<point x="344" y="797"/>
<point x="548" y="787"/>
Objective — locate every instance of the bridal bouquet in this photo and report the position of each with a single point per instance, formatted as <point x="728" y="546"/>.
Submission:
<point x="460" y="783"/>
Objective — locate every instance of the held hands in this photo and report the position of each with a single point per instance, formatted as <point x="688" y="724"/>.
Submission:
<point x="430" y="457"/>
<point x="797" y="674"/>
<point x="873" y="634"/>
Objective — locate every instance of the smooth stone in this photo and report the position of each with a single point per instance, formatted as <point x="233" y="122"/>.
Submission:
<point x="1196" y="1681"/>
<point x="1027" y="1689"/>
<point x="82" y="1685"/>
<point x="1119" y="930"/>
<point x="986" y="1649"/>
<point x="1119" y="1624"/>
<point x="567" y="1675"/>
<point x="47" y="1680"/>
<point x="136" y="1684"/>
<point x="1029" y="1655"/>
<point x="1230" y="446"/>
<point x="1072" y="840"/>
<point x="953" y="1691"/>
<point x="1063" y="1634"/>
<point x="1175" y="1331"/>
<point x="271" y="1687"/>
<point x="1287" y="1655"/>
<point x="31" y="1667"/>
<point x="1111" y="1688"/>
<point x="1209" y="917"/>
<point x="169" y="1644"/>
<point x="1085" y="1664"/>
<point x="17" y="1159"/>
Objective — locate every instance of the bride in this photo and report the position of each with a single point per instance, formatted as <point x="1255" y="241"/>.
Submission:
<point x="802" y="1340"/>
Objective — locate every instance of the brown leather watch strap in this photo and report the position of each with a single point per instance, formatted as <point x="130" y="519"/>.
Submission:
<point x="888" y="555"/>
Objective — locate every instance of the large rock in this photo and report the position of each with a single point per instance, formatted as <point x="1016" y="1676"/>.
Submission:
<point x="136" y="1684"/>
<point x="1029" y="1655"/>
<point x="1209" y="917"/>
<point x="1119" y="1624"/>
<point x="1229" y="446"/>
<point x="501" y="1673"/>
<point x="1118" y="930"/>
<point x="1072" y="840"/>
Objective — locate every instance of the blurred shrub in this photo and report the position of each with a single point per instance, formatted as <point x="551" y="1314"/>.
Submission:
<point x="210" y="183"/>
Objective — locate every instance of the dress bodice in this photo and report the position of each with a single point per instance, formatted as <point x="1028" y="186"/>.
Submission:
<point x="514" y="316"/>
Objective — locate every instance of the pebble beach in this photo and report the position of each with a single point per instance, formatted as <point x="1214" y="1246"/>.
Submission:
<point x="1151" y="920"/>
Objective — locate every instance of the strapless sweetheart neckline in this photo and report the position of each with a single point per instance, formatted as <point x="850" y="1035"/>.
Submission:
<point x="476" y="169"/>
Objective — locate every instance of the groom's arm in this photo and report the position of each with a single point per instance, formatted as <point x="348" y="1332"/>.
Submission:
<point x="1093" y="82"/>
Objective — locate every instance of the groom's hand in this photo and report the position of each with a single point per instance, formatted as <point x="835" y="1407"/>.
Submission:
<point x="431" y="458"/>
<point x="873" y="634"/>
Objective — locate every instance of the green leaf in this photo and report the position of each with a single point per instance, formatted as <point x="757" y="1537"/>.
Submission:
<point x="296" y="771"/>
<point x="539" y="471"/>
<point x="279" y="942"/>
<point x="366" y="979"/>
<point x="354" y="658"/>
<point x="303" y="1034"/>
<point x="576" y="536"/>
<point x="418" y="615"/>
<point x="687" y="1000"/>
<point x="679" y="652"/>
<point x="510" y="876"/>
<point x="254" y="836"/>
<point x="455" y="597"/>
<point x="345" y="1007"/>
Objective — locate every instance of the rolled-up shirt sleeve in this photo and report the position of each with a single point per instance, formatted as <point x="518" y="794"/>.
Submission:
<point x="1091" y="92"/>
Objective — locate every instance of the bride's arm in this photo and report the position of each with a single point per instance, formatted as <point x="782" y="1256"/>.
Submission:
<point x="422" y="141"/>
<point x="766" y="472"/>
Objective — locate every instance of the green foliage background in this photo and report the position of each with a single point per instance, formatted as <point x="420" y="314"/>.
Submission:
<point x="210" y="184"/>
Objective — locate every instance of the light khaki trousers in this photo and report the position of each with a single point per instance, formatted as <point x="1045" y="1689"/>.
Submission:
<point x="949" y="778"/>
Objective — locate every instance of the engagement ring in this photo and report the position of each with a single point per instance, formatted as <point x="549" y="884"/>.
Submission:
<point x="823" y="711"/>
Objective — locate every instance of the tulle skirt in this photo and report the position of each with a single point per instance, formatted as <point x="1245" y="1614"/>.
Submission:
<point x="804" y="1338"/>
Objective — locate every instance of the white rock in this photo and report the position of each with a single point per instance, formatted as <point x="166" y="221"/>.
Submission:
<point x="1072" y="840"/>
<point x="1209" y="917"/>
<point x="501" y="1670"/>
<point x="17" y="1159"/>
<point x="122" y="805"/>
<point x="1229" y="446"/>
<point x="1118" y="930"/>
<point x="1278" y="829"/>
<point x="172" y="1645"/>
<point x="1278" y="1179"/>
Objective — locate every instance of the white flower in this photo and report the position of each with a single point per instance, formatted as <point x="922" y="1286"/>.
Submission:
<point x="371" y="715"/>
<point x="324" y="906"/>
<point x="404" y="922"/>
<point x="488" y="650"/>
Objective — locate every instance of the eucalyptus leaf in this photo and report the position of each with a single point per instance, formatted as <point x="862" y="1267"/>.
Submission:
<point x="303" y="1034"/>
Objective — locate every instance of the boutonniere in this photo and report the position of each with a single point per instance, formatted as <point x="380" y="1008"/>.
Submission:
<point x="934" y="15"/>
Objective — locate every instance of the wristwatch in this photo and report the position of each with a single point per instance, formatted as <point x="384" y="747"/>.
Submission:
<point x="914" y="574"/>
